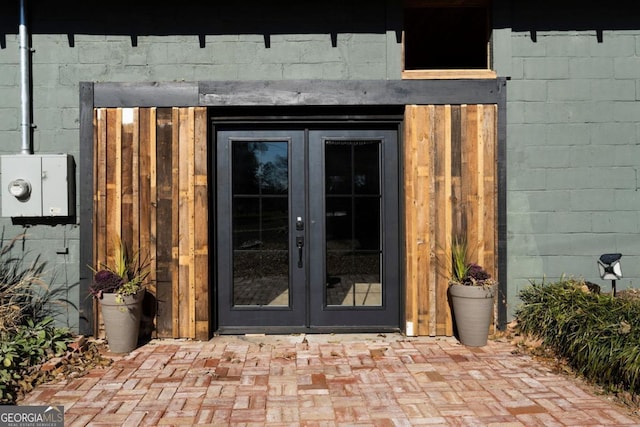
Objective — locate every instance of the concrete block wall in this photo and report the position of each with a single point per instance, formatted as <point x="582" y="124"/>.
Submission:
<point x="573" y="142"/>
<point x="573" y="112"/>
<point x="74" y="42"/>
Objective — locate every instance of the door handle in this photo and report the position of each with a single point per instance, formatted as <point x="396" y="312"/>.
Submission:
<point x="299" y="245"/>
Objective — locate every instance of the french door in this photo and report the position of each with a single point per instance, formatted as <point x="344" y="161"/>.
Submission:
<point x="307" y="229"/>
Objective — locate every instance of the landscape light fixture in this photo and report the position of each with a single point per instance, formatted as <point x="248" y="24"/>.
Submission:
<point x="610" y="269"/>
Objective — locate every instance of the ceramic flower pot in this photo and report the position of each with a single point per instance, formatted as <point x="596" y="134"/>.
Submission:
<point x="122" y="320"/>
<point x="472" y="310"/>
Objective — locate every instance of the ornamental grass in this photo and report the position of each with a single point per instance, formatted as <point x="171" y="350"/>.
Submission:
<point x="598" y="335"/>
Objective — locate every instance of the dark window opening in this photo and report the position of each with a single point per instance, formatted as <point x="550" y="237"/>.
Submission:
<point x="441" y="38"/>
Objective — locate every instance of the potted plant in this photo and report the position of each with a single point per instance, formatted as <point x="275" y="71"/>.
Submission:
<point x="471" y="292"/>
<point x="120" y="290"/>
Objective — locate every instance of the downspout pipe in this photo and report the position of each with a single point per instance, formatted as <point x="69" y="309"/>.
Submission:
<point x="25" y="98"/>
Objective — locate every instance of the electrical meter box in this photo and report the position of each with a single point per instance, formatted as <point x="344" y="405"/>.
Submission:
<point x="37" y="185"/>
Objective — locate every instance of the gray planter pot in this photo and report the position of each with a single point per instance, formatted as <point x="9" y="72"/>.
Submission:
<point x="122" y="321"/>
<point x="472" y="311"/>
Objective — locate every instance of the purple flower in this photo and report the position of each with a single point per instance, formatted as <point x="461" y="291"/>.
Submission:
<point x="476" y="276"/>
<point x="105" y="281"/>
<point x="477" y="272"/>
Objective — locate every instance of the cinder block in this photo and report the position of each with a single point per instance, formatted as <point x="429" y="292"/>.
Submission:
<point x="591" y="68"/>
<point x="546" y="68"/>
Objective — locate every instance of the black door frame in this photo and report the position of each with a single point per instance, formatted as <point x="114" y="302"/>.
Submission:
<point x="360" y="118"/>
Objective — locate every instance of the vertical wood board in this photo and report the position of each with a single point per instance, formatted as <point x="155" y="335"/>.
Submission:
<point x="450" y="189"/>
<point x="201" y="228"/>
<point x="151" y="186"/>
<point x="164" y="221"/>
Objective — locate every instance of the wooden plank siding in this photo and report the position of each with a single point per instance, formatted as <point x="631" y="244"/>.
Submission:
<point x="450" y="187"/>
<point x="151" y="190"/>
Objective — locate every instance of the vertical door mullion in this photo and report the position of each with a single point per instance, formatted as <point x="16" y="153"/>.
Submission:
<point x="298" y="208"/>
<point x="317" y="217"/>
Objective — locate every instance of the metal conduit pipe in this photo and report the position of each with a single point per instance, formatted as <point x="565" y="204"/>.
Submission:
<point x="25" y="99"/>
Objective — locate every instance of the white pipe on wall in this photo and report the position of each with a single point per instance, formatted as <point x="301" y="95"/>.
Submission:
<point x="25" y="98"/>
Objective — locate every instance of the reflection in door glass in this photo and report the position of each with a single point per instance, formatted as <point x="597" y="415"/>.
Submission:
<point x="353" y="244"/>
<point x="260" y="204"/>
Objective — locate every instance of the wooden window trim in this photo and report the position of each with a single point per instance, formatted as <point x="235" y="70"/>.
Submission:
<point x="448" y="74"/>
<point x="446" y="3"/>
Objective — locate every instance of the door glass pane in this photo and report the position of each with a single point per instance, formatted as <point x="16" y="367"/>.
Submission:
<point x="260" y="232"/>
<point x="260" y="168"/>
<point x="352" y="201"/>
<point x="365" y="163"/>
<point x="338" y="169"/>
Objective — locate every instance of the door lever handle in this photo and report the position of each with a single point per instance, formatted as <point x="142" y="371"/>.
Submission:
<point x="299" y="245"/>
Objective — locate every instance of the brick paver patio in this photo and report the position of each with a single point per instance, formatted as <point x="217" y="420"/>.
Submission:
<point x="328" y="380"/>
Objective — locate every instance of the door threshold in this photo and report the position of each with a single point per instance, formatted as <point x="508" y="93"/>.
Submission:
<point x="287" y="330"/>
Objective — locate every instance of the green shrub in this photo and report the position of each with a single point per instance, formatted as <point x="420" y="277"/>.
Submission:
<point x="23" y="351"/>
<point x="28" y="336"/>
<point x="23" y="292"/>
<point x="597" y="334"/>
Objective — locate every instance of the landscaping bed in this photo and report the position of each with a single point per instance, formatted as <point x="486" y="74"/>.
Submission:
<point x="572" y="326"/>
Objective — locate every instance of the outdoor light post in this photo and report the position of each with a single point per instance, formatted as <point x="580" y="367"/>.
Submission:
<point x="609" y="266"/>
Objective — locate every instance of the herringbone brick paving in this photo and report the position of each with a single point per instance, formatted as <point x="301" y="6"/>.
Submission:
<point x="327" y="380"/>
